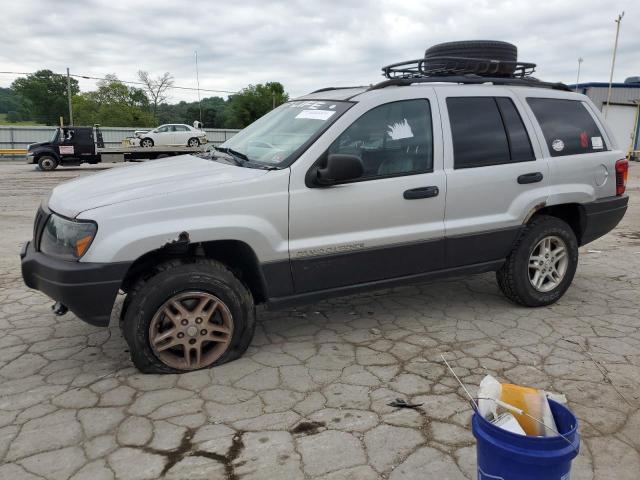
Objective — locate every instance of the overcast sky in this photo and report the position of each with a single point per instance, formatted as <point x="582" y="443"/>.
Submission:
<point x="304" y="44"/>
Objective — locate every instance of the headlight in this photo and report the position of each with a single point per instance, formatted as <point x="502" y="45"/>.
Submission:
<point x="67" y="239"/>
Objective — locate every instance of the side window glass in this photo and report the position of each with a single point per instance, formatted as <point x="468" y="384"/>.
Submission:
<point x="163" y="129"/>
<point x="487" y="131"/>
<point x="392" y="139"/>
<point x="567" y="126"/>
<point x="519" y="141"/>
<point x="479" y="138"/>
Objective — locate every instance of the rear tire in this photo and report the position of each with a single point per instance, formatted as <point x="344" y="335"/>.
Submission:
<point x="47" y="163"/>
<point x="147" y="304"/>
<point x="146" y="143"/>
<point x="517" y="277"/>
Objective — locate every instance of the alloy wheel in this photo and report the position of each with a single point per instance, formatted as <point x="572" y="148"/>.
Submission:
<point x="191" y="330"/>
<point x="548" y="263"/>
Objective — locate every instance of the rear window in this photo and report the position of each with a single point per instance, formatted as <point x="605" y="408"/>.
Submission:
<point x="567" y="125"/>
<point x="487" y="131"/>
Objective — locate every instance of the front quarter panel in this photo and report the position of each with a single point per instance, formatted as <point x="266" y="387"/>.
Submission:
<point x="254" y="211"/>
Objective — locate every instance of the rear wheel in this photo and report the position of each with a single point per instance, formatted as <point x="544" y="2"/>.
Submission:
<point x="193" y="142"/>
<point x="188" y="316"/>
<point x="47" y="163"/>
<point x="541" y="266"/>
<point x="146" y="142"/>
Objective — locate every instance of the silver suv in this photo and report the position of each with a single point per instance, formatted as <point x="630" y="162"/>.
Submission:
<point x="338" y="192"/>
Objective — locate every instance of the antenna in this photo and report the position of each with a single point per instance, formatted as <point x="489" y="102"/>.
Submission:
<point x="198" y="85"/>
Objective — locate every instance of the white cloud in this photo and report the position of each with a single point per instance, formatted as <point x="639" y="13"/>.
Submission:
<point x="305" y="45"/>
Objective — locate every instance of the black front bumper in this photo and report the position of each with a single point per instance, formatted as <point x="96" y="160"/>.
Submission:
<point x="601" y="216"/>
<point x="87" y="289"/>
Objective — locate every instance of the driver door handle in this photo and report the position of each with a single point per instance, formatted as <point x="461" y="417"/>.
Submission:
<point x="421" y="192"/>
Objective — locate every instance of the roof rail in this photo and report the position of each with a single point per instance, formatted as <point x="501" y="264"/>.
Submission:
<point x="328" y="89"/>
<point x="470" y="79"/>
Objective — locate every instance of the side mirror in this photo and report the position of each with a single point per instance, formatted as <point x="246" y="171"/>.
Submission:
<point x="340" y="168"/>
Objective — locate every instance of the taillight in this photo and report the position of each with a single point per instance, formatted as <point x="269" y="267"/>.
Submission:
<point x="622" y="173"/>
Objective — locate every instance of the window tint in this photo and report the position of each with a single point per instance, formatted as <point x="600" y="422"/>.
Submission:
<point x="479" y="134"/>
<point x="392" y="139"/>
<point x="180" y="128"/>
<point x="163" y="129"/>
<point x="567" y="126"/>
<point x="517" y="136"/>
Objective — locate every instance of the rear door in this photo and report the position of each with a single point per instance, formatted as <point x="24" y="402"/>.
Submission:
<point x="182" y="135"/>
<point x="496" y="174"/>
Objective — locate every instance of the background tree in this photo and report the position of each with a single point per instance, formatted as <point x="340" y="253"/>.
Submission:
<point x="46" y="93"/>
<point x="156" y="87"/>
<point x="13" y="105"/>
<point x="253" y="102"/>
<point x="113" y="104"/>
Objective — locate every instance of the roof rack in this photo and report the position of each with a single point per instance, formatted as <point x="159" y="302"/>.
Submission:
<point x="470" y="79"/>
<point x="432" y="66"/>
<point x="456" y="70"/>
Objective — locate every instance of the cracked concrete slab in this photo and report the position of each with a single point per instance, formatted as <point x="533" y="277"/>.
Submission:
<point x="309" y="398"/>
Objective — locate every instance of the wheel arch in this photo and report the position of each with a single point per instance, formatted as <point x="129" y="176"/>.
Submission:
<point x="236" y="255"/>
<point x="573" y="214"/>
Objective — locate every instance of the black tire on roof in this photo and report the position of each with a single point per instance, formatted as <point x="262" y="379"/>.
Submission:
<point x="480" y="49"/>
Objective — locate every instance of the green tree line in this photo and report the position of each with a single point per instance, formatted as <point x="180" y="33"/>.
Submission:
<point x="42" y="98"/>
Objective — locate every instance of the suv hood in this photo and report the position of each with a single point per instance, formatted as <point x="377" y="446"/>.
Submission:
<point x="152" y="178"/>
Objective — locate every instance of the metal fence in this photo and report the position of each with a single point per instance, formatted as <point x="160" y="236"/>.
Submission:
<point x="21" y="137"/>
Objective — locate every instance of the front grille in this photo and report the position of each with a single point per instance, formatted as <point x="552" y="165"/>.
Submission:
<point x="38" y="226"/>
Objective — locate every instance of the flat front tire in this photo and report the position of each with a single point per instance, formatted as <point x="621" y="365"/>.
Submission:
<point x="542" y="264"/>
<point x="188" y="316"/>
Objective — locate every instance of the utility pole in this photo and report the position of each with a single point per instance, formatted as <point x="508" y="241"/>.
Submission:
<point x="198" y="83"/>
<point x="69" y="97"/>
<point x="580" y="60"/>
<point x="613" y="61"/>
<point x="273" y="100"/>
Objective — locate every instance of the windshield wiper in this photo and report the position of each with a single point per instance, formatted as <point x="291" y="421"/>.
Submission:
<point x="238" y="157"/>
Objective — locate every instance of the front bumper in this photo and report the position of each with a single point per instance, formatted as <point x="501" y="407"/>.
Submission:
<point x="87" y="289"/>
<point x="601" y="216"/>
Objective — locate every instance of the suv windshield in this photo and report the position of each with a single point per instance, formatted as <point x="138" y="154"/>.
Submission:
<point x="273" y="137"/>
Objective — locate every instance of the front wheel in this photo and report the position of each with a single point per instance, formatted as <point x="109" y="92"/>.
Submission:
<point x="146" y="143"/>
<point x="193" y="143"/>
<point x="47" y="163"/>
<point x="188" y="316"/>
<point x="541" y="266"/>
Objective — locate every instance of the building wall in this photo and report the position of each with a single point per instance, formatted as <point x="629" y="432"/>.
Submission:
<point x="598" y="95"/>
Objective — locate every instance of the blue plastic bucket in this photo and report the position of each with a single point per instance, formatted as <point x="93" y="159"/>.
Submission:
<point x="503" y="455"/>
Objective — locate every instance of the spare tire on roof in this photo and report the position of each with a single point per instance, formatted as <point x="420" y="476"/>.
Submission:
<point x="503" y="57"/>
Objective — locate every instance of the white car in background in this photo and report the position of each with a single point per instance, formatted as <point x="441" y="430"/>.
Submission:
<point x="172" y="134"/>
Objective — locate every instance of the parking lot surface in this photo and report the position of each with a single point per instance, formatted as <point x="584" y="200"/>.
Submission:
<point x="309" y="399"/>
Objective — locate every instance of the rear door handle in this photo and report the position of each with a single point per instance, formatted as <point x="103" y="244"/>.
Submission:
<point x="534" y="177"/>
<point x="421" y="192"/>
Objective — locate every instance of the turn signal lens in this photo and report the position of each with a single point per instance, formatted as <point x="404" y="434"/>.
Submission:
<point x="622" y="173"/>
<point x="82" y="245"/>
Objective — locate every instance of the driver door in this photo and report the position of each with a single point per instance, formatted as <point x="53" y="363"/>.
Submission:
<point x="387" y="224"/>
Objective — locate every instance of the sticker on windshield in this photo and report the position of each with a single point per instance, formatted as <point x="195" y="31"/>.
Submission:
<point x="400" y="130"/>
<point x="557" y="145"/>
<point x="316" y="114"/>
<point x="596" y="143"/>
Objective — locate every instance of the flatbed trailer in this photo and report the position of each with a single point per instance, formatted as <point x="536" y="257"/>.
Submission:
<point x="72" y="146"/>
